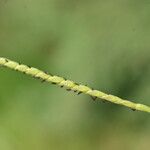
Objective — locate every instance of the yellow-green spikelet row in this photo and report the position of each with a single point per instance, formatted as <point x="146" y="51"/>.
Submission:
<point x="70" y="85"/>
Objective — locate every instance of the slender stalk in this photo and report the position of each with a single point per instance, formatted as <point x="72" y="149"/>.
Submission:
<point x="70" y="85"/>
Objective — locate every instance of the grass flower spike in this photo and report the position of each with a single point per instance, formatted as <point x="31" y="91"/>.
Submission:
<point x="70" y="85"/>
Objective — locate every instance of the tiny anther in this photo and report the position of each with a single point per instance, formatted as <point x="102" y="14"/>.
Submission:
<point x="79" y="93"/>
<point x="46" y="72"/>
<point x="6" y="60"/>
<point x="68" y="89"/>
<point x="65" y="79"/>
<point x="43" y="80"/>
<point x="53" y="83"/>
<point x="93" y="98"/>
<point x="37" y="77"/>
<point x="76" y="83"/>
<point x="133" y="109"/>
<point x="104" y="101"/>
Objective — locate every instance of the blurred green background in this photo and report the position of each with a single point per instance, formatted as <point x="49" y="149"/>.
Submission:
<point x="101" y="43"/>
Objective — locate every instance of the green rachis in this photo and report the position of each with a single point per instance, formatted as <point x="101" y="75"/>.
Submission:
<point x="70" y="85"/>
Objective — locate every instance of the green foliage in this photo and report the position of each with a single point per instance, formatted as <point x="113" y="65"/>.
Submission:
<point x="102" y="43"/>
